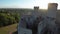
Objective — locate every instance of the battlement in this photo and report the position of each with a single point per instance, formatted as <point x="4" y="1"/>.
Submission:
<point x="36" y="8"/>
<point x="52" y="3"/>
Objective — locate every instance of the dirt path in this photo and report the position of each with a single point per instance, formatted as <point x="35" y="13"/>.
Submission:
<point x="8" y="29"/>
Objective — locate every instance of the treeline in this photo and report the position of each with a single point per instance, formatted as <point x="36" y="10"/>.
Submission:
<point x="8" y="18"/>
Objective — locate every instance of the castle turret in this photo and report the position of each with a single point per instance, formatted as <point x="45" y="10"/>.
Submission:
<point x="52" y="8"/>
<point x="36" y="8"/>
<point x="36" y="11"/>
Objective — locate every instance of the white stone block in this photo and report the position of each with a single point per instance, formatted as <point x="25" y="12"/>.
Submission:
<point x="24" y="31"/>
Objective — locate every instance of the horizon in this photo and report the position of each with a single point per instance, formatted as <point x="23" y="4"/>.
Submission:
<point x="43" y="4"/>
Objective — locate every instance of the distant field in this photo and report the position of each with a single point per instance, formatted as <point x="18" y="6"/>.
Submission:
<point x="8" y="29"/>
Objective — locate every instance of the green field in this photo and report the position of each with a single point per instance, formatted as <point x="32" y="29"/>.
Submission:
<point x="8" y="29"/>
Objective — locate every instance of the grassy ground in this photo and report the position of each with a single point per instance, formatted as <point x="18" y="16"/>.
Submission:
<point x="8" y="29"/>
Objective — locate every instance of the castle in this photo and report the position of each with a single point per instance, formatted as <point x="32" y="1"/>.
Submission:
<point x="37" y="23"/>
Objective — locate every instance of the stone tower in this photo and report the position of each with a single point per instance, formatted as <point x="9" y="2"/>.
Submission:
<point x="48" y="25"/>
<point x="52" y="8"/>
<point x="36" y="8"/>
<point x="51" y="18"/>
<point x="36" y="11"/>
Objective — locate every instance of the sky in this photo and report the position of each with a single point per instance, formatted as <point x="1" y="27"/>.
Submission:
<point x="43" y="4"/>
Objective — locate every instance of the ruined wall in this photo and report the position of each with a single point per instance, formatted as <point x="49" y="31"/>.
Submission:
<point x="58" y="17"/>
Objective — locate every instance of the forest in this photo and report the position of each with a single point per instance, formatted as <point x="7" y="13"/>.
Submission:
<point x="8" y="18"/>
